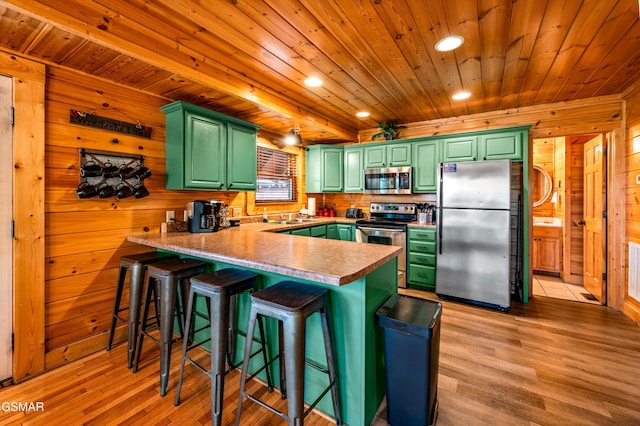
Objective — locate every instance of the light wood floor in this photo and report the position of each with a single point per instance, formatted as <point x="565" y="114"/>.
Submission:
<point x="551" y="362"/>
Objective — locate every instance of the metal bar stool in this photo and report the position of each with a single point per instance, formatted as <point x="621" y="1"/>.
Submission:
<point x="164" y="278"/>
<point x="136" y="264"/>
<point x="292" y="303"/>
<point x="220" y="288"/>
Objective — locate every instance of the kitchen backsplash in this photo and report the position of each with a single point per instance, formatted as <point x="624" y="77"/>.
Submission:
<point x="342" y="201"/>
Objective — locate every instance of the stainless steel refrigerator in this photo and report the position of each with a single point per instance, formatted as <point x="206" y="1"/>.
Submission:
<point x="473" y="232"/>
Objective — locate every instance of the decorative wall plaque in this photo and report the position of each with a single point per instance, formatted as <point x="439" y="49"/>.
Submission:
<point x="95" y="121"/>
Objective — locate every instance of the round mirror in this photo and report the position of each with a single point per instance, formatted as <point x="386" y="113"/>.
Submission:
<point x="541" y="186"/>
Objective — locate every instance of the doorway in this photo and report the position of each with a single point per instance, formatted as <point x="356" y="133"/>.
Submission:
<point x="568" y="226"/>
<point x="6" y="239"/>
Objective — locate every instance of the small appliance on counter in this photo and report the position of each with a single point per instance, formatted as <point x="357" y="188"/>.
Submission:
<point x="204" y="215"/>
<point x="354" y="213"/>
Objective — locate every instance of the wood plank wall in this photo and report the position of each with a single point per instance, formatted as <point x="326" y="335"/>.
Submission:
<point x="632" y="189"/>
<point x="85" y="238"/>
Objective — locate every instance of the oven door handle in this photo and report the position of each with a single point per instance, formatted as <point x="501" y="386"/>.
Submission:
<point x="366" y="228"/>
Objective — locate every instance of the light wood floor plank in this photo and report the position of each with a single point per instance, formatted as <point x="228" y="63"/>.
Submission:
<point x="551" y="362"/>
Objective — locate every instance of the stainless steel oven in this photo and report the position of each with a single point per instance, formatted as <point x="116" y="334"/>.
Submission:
<point x="388" y="226"/>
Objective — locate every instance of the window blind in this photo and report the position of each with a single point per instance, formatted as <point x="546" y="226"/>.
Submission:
<point x="277" y="176"/>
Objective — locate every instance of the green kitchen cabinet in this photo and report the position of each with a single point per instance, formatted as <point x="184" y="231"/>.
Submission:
<point x="503" y="145"/>
<point x="319" y="231"/>
<point x="398" y="155"/>
<point x="325" y="166"/>
<point x="387" y="155"/>
<point x="375" y="156"/>
<point x="353" y="169"/>
<point x="306" y="232"/>
<point x="426" y="156"/>
<point x="206" y="150"/>
<point x="242" y="158"/>
<point x="461" y="148"/>
<point x="421" y="258"/>
<point x="345" y="232"/>
<point x="332" y="232"/>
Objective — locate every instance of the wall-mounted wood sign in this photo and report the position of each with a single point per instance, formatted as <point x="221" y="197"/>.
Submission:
<point x="90" y="120"/>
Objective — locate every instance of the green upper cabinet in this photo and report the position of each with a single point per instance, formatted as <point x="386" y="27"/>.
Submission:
<point x="399" y="155"/>
<point x="207" y="150"/>
<point x="502" y="145"/>
<point x="242" y="158"/>
<point x="353" y="166"/>
<point x="461" y="148"/>
<point x="325" y="168"/>
<point x="387" y="155"/>
<point x="426" y="156"/>
<point x="375" y="156"/>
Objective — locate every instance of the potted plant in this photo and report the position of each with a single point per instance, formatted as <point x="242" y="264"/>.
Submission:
<point x="388" y="130"/>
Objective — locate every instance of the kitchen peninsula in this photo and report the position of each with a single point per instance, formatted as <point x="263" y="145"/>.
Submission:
<point x="359" y="278"/>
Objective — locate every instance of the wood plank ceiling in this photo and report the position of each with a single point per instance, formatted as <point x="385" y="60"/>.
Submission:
<point x="249" y="58"/>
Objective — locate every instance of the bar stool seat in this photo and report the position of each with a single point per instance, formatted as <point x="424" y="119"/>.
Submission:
<point x="162" y="282"/>
<point x="220" y="288"/>
<point x="136" y="264"/>
<point x="291" y="303"/>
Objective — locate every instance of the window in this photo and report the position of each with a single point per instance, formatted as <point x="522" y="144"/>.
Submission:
<point x="277" y="176"/>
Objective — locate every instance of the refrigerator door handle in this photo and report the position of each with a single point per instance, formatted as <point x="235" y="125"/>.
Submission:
<point x="439" y="221"/>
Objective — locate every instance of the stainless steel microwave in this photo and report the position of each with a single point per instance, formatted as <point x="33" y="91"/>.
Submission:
<point x="390" y="180"/>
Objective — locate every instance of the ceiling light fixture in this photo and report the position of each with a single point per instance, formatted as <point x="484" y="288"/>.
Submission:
<point x="362" y="114"/>
<point x="461" y="96"/>
<point x="449" y="43"/>
<point x="313" y="82"/>
<point x="293" y="138"/>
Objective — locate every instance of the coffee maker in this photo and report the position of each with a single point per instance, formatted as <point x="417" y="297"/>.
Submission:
<point x="204" y="215"/>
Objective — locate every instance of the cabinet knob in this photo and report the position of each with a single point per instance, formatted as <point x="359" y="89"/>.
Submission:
<point x="581" y="222"/>
<point x="221" y="185"/>
<point x="230" y="185"/>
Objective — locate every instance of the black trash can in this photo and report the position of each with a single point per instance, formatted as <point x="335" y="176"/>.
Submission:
<point x="411" y="351"/>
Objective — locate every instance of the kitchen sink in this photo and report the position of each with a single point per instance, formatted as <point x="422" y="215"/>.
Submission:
<point x="294" y="221"/>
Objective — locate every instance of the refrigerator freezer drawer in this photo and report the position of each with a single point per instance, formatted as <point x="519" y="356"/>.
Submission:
<point x="473" y="255"/>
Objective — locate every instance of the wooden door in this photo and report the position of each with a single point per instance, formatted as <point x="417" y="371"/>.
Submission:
<point x="6" y="215"/>
<point x="594" y="232"/>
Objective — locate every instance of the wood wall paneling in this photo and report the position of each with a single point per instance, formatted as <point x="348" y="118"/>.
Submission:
<point x="86" y="238"/>
<point x="631" y="307"/>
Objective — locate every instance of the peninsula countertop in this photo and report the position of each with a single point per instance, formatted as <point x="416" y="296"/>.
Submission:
<point x="328" y="261"/>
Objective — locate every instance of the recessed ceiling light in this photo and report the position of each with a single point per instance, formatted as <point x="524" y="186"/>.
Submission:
<point x="362" y="114"/>
<point x="461" y="96"/>
<point x="449" y="43"/>
<point x="313" y="82"/>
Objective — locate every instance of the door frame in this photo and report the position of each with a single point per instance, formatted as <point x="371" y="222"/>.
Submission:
<point x="6" y="263"/>
<point x="29" y="79"/>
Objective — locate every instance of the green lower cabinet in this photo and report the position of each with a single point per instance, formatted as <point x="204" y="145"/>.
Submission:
<point x="332" y="232"/>
<point x="340" y="231"/>
<point x="346" y="232"/>
<point x="306" y="232"/>
<point x="319" y="231"/>
<point x="421" y="258"/>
